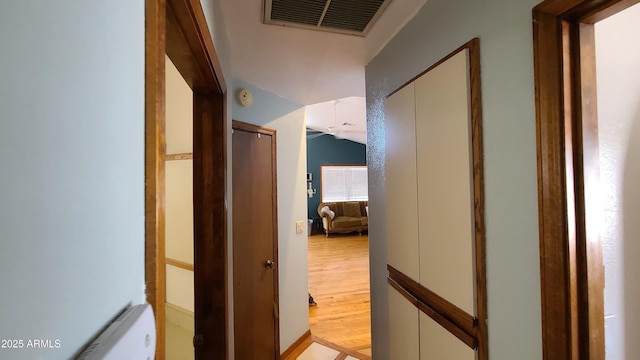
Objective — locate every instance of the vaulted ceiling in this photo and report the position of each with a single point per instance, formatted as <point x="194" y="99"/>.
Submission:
<point x="309" y="66"/>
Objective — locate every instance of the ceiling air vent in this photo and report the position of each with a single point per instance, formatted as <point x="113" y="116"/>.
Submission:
<point x="353" y="17"/>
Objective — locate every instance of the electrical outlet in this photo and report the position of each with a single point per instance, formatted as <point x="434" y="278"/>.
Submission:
<point x="299" y="227"/>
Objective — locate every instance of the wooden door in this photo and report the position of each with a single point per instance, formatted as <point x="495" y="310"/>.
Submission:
<point x="255" y="274"/>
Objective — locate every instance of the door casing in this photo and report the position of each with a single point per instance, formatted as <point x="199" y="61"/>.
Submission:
<point x="178" y="28"/>
<point x="571" y="268"/>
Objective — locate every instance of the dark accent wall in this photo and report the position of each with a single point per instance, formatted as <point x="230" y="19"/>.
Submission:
<point x="327" y="150"/>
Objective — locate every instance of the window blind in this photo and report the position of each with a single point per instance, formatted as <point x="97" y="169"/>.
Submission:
<point x="344" y="183"/>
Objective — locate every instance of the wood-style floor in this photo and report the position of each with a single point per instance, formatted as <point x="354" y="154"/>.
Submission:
<point x="339" y="283"/>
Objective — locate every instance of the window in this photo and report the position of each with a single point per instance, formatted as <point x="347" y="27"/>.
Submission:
<point x="344" y="183"/>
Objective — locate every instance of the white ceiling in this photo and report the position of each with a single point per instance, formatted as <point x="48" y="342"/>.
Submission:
<point x="307" y="66"/>
<point x="344" y="118"/>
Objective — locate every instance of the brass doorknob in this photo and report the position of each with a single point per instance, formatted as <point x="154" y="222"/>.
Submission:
<point x="270" y="264"/>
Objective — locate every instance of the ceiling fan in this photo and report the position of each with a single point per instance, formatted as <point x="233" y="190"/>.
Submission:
<point x="312" y="134"/>
<point x="335" y="129"/>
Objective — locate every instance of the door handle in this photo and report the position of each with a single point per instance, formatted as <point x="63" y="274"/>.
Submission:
<point x="270" y="264"/>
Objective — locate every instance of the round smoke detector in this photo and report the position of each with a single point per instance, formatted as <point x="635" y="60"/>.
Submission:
<point x="245" y="98"/>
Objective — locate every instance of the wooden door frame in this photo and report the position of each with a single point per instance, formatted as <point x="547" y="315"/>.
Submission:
<point x="571" y="268"/>
<point x="178" y="28"/>
<point x="242" y="126"/>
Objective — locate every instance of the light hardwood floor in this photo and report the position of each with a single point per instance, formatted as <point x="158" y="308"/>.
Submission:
<point x="339" y="283"/>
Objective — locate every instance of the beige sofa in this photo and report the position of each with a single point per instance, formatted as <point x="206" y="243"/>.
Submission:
<point x="348" y="216"/>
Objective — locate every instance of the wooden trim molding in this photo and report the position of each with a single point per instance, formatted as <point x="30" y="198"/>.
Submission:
<point x="587" y="163"/>
<point x="210" y="223"/>
<point x="470" y="340"/>
<point x="552" y="187"/>
<point x="448" y="315"/>
<point x="276" y="231"/>
<point x="305" y="337"/>
<point x="154" y="165"/>
<point x="458" y="316"/>
<point x="472" y="44"/>
<point x="173" y="157"/>
<point x="479" y="239"/>
<point x="243" y="126"/>
<point x="566" y="129"/>
<point x="190" y="35"/>
<point x="179" y="264"/>
<point x="402" y="291"/>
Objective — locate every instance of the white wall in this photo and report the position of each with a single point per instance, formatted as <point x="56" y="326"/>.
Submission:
<point x="178" y="111"/>
<point x="505" y="31"/>
<point x="618" y="78"/>
<point x="71" y="170"/>
<point x="180" y="288"/>
<point x="288" y="120"/>
<point x="179" y="211"/>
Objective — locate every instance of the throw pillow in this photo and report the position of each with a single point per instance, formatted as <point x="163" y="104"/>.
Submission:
<point x="326" y="210"/>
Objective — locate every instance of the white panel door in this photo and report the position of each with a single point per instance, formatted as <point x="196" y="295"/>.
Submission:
<point x="445" y="182"/>
<point x="436" y="343"/>
<point x="404" y="338"/>
<point x="401" y="182"/>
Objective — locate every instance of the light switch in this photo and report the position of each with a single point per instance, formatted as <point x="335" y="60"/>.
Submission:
<point x="299" y="227"/>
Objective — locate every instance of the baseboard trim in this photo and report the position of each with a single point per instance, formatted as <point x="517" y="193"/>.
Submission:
<point x="179" y="316"/>
<point x="305" y="337"/>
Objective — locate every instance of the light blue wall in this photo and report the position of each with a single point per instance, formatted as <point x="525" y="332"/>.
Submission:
<point x="288" y="119"/>
<point x="505" y="31"/>
<point x="212" y="10"/>
<point x="71" y="170"/>
<point x="266" y="106"/>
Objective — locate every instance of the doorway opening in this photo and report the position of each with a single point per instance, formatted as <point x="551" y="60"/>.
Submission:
<point x="178" y="29"/>
<point x="570" y="208"/>
<point x="338" y="259"/>
<point x="179" y="231"/>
